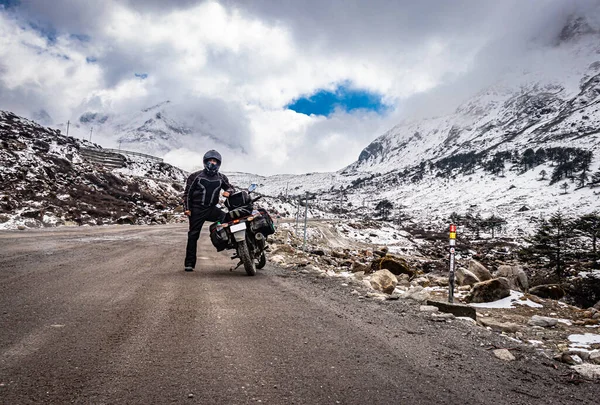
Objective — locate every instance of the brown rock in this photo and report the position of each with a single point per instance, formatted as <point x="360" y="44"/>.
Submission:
<point x="516" y="277"/>
<point x="384" y="280"/>
<point x="498" y="326"/>
<point x="358" y="267"/>
<point x="490" y="290"/>
<point x="394" y="264"/>
<point x="552" y="291"/>
<point x="465" y="277"/>
<point x="482" y="273"/>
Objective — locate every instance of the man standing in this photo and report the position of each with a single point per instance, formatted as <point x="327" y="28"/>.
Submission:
<point x="200" y="200"/>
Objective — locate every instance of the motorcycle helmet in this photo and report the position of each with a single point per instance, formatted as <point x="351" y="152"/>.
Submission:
<point x="210" y="167"/>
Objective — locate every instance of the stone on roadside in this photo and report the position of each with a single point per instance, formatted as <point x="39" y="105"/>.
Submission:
<point x="489" y="291"/>
<point x="454" y="308"/>
<point x="428" y="308"/>
<point x="552" y="291"/>
<point x="590" y="371"/>
<point x="465" y="277"/>
<point x="441" y="316"/>
<point x="516" y="277"/>
<point x="394" y="264"/>
<point x="422" y="281"/>
<point x="384" y="280"/>
<point x="358" y="267"/>
<point x="507" y="327"/>
<point x="417" y="293"/>
<point x="480" y="271"/>
<point x="543" y="321"/>
<point x="504" y="354"/>
<point x="595" y="357"/>
<point x="567" y="358"/>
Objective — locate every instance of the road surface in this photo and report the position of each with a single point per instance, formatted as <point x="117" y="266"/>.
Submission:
<point x="108" y="316"/>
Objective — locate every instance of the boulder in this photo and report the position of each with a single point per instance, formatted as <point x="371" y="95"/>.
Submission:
<point x="417" y="293"/>
<point x="460" y="310"/>
<point x="516" y="277"/>
<point x="384" y="280"/>
<point x="507" y="327"/>
<point x="590" y="371"/>
<point x="358" y="267"/>
<point x="394" y="264"/>
<point x="489" y="291"/>
<point x="552" y="291"/>
<point x="597" y="306"/>
<point x="479" y="270"/>
<point x="504" y="354"/>
<point x="465" y="277"/>
<point x="595" y="357"/>
<point x="543" y="321"/>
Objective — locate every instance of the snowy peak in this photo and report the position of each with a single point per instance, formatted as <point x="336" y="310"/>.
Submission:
<point x="575" y="28"/>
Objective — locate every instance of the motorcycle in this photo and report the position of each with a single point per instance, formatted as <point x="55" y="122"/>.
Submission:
<point x="244" y="229"/>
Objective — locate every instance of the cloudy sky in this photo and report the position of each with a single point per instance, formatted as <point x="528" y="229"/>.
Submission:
<point x="285" y="86"/>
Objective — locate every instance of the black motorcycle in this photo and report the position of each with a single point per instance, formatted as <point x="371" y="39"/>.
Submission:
<point x="244" y="229"/>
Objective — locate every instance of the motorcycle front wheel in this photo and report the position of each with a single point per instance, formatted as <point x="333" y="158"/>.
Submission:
<point x="244" y="255"/>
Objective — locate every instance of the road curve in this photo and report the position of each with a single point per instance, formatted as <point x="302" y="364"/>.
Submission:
<point x="106" y="315"/>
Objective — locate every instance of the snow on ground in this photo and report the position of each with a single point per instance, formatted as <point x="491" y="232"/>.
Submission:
<point x="515" y="298"/>
<point x="584" y="341"/>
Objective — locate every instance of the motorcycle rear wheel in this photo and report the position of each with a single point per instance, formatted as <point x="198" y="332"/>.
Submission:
<point x="262" y="261"/>
<point x="244" y="255"/>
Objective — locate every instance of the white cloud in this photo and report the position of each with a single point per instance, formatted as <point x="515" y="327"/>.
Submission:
<point x="238" y="64"/>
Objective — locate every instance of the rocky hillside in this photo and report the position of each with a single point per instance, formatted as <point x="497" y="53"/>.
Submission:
<point x="47" y="179"/>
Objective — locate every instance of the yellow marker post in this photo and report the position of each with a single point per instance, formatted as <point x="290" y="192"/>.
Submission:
<point x="452" y="243"/>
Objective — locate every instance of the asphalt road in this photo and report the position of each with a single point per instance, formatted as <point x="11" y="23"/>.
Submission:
<point x="107" y="315"/>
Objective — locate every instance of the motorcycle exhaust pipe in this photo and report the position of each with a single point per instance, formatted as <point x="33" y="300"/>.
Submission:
<point x="260" y="240"/>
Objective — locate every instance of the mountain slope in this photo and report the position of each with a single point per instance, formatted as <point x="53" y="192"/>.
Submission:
<point x="48" y="179"/>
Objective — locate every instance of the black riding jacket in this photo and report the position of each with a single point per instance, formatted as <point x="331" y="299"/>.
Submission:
<point x="202" y="190"/>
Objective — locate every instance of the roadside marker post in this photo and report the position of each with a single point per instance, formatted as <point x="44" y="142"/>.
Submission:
<point x="452" y="244"/>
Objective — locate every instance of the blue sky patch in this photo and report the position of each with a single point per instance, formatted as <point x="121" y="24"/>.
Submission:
<point x="325" y="102"/>
<point x="9" y="3"/>
<point x="141" y="75"/>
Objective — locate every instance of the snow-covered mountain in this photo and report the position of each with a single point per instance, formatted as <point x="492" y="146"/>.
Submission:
<point x="153" y="130"/>
<point x="49" y="179"/>
<point x="523" y="147"/>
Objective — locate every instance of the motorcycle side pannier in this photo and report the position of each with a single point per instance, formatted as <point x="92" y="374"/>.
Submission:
<point x="263" y="223"/>
<point x="219" y="238"/>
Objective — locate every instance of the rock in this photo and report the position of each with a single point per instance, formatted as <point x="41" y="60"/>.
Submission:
<point x="504" y="354"/>
<point x="376" y="296"/>
<point x="567" y="358"/>
<point x="384" y="280"/>
<point x="318" y="252"/>
<point x="479" y="270"/>
<point x="441" y="317"/>
<point x="507" y="327"/>
<point x="465" y="277"/>
<point x="21" y="227"/>
<point x="595" y="357"/>
<point x="403" y="280"/>
<point x="489" y="291"/>
<point x="597" y="306"/>
<point x="283" y="249"/>
<point x="358" y="267"/>
<point x="516" y="277"/>
<point x="455" y="309"/>
<point x="543" y="321"/>
<point x="591" y="371"/>
<point x="394" y="264"/>
<point x="422" y="281"/>
<point x="277" y="259"/>
<point x="428" y="308"/>
<point x="553" y="291"/>
<point x="417" y="293"/>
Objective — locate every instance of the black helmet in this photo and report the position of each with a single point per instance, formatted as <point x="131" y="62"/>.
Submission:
<point x="211" y="168"/>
